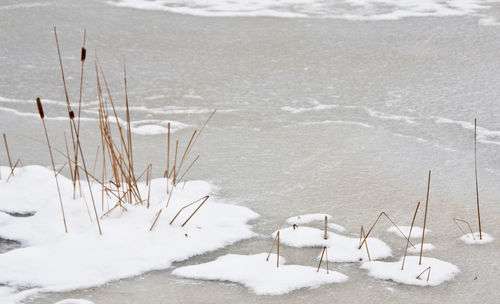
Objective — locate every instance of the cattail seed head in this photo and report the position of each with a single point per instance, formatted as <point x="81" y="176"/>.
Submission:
<point x="84" y="53"/>
<point x="40" y="108"/>
<point x="71" y="114"/>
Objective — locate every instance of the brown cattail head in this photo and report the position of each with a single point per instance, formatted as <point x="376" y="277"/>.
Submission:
<point x="84" y="53"/>
<point x="71" y="114"/>
<point x="40" y="108"/>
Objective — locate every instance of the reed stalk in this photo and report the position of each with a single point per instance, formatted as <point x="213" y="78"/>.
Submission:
<point x="42" y="117"/>
<point x="428" y="274"/>
<point x="13" y="169"/>
<point x="409" y="235"/>
<point x="8" y="155"/>
<point x="425" y="217"/>
<point x="67" y="100"/>
<point x="277" y="241"/>
<point x="475" y="174"/>
<point x="393" y="223"/>
<point x="203" y="202"/>
<point x="363" y="235"/>
<point x="323" y="252"/>
<point x="456" y="220"/>
<point x="156" y="219"/>
<point x="326" y="228"/>
<point x="203" y="199"/>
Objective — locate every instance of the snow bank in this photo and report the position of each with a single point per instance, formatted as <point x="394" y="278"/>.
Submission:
<point x="52" y="260"/>
<point x="340" y="248"/>
<point x="441" y="271"/>
<point x="259" y="275"/>
<point x="469" y="239"/>
<point x="416" y="232"/>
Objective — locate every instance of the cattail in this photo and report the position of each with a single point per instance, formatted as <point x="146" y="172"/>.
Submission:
<point x="84" y="53"/>
<point x="40" y="111"/>
<point x="71" y="114"/>
<point x="40" y="108"/>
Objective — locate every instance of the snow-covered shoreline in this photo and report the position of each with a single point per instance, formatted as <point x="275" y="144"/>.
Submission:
<point x="51" y="260"/>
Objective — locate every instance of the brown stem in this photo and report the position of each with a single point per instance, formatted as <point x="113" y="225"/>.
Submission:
<point x="425" y="217"/>
<point x="204" y="199"/>
<point x="53" y="166"/>
<point x="8" y="154"/>
<point x="326" y="228"/>
<point x="475" y="171"/>
<point x="428" y="274"/>
<point x="393" y="223"/>
<point x="409" y="235"/>
<point x="157" y="216"/>
<point x="464" y="221"/>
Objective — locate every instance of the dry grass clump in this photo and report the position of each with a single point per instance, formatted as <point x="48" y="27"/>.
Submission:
<point x="118" y="180"/>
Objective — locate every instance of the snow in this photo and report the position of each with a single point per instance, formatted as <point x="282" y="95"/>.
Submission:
<point x="52" y="260"/>
<point x="416" y="232"/>
<point x="336" y="227"/>
<point x="427" y="247"/>
<point x="314" y="217"/>
<point x="340" y="248"/>
<point x="259" y="275"/>
<point x="441" y="271"/>
<point x="468" y="239"/>
<point x="307" y="218"/>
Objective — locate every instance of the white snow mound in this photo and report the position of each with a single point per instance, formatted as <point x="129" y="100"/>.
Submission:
<point x="340" y="248"/>
<point x="416" y="249"/>
<point x="259" y="275"/>
<point x="441" y="271"/>
<point x="307" y="218"/>
<point x="416" y="232"/>
<point x="52" y="260"/>
<point x="469" y="239"/>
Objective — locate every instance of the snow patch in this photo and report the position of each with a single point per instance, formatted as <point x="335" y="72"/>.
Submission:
<point x="416" y="250"/>
<point x="441" y="271"/>
<point x="53" y="260"/>
<point x="416" y="232"/>
<point x="259" y="275"/>
<point x="340" y="248"/>
<point x="74" y="301"/>
<point x="469" y="239"/>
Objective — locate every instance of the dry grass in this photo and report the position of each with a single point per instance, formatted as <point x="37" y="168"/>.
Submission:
<point x="118" y="180"/>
